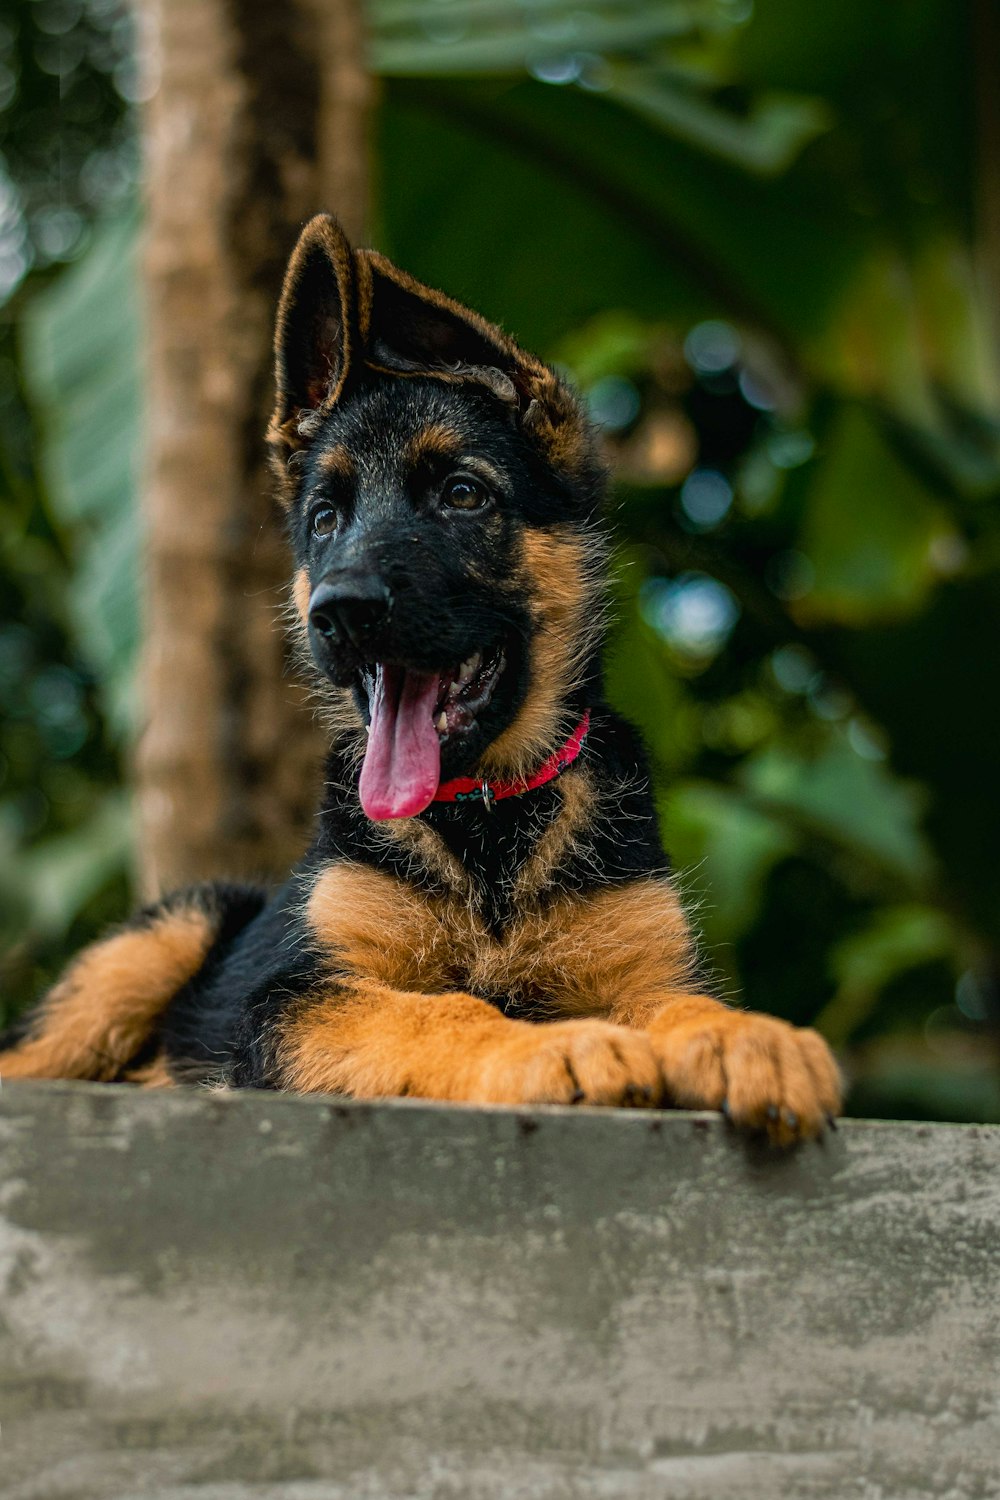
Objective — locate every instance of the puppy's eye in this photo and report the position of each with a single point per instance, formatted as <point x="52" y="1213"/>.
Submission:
<point x="324" y="521"/>
<point x="462" y="493"/>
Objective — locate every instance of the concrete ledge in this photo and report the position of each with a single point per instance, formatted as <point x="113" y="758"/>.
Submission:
<point x="214" y="1297"/>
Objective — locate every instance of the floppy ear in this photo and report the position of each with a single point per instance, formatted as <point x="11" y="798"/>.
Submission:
<point x="408" y="328"/>
<point x="316" y="333"/>
<point x="342" y="312"/>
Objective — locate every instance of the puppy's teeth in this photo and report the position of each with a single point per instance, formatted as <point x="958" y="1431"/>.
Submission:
<point x="441" y="723"/>
<point x="469" y="668"/>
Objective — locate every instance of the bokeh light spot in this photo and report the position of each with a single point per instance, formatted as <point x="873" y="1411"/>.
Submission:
<point x="712" y="347"/>
<point x="694" y="613"/>
<point x="613" y="402"/>
<point x="706" y="498"/>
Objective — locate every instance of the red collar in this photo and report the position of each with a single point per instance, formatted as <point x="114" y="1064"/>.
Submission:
<point x="470" y="788"/>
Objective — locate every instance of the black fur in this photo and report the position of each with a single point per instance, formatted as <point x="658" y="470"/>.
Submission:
<point x="449" y="572"/>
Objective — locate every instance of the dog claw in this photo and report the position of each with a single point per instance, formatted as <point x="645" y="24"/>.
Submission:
<point x="772" y="1112"/>
<point x="577" y="1096"/>
<point x="831" y="1122"/>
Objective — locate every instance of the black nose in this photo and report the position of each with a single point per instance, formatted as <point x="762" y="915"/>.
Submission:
<point x="351" y="608"/>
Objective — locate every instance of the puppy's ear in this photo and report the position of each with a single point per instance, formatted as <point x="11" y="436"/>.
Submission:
<point x="316" y="333"/>
<point x="408" y="328"/>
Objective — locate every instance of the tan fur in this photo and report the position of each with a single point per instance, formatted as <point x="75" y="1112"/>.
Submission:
<point x="436" y="440"/>
<point x="107" y="1004"/>
<point x="376" y="1042"/>
<point x="612" y="954"/>
<point x="553" y="419"/>
<point x="364" y="293"/>
<point x="429" y="854"/>
<point x="336" y="463"/>
<point x="476" y="464"/>
<point x="301" y="594"/>
<point x="154" y="1075"/>
<point x="560" y="570"/>
<point x="769" y="1076"/>
<point x="622" y="956"/>
<point x="377" y="928"/>
<point x="568" y="829"/>
<point x="409" y="939"/>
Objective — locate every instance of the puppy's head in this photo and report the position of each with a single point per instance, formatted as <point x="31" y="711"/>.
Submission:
<point x="441" y="487"/>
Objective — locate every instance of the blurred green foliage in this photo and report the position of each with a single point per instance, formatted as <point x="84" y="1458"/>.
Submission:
<point x="754" y="234"/>
<point x="67" y="154"/>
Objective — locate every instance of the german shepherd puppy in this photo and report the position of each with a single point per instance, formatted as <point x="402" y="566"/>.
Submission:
<point x="485" y="913"/>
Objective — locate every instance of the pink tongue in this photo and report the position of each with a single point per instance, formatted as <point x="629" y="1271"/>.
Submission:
<point x="403" y="761"/>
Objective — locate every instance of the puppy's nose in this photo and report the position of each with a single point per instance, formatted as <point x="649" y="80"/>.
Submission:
<point x="350" y="608"/>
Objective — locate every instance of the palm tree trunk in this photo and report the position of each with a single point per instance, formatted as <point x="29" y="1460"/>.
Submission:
<point x="258" y="120"/>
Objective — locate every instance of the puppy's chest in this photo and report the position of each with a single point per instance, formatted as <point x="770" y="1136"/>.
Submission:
<point x="378" y="927"/>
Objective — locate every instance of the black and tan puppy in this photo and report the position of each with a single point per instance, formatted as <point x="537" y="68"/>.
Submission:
<point x="485" y="913"/>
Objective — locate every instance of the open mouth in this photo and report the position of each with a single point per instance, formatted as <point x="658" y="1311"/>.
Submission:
<point x="412" y="714"/>
<point x="466" y="692"/>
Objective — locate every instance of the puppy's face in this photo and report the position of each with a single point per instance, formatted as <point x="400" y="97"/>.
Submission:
<point x="448" y="572"/>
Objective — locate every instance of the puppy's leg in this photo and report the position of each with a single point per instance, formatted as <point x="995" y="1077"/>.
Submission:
<point x="370" y="1041"/>
<point x="766" y="1074"/>
<point x="626" y="954"/>
<point x="100" y="1015"/>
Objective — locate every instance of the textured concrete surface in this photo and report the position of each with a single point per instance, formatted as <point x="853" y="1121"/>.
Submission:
<point x="207" y="1297"/>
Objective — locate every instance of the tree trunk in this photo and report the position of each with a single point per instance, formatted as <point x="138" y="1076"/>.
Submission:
<point x="258" y="121"/>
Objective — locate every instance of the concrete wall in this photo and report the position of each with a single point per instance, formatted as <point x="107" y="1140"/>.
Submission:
<point x="211" y="1297"/>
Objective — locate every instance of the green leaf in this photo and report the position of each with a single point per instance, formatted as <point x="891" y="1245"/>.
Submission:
<point x="870" y="529"/>
<point x="413" y="37"/>
<point x="849" y="800"/>
<point x="900" y="1085"/>
<point x="897" y="939"/>
<point x="52" y="881"/>
<point x="80" y="351"/>
<point x="679" y="234"/>
<point x="723" y="850"/>
<point x="765" y="139"/>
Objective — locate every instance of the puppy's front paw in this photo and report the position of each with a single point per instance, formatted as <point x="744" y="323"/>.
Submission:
<point x="765" y="1074"/>
<point x="570" y="1062"/>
